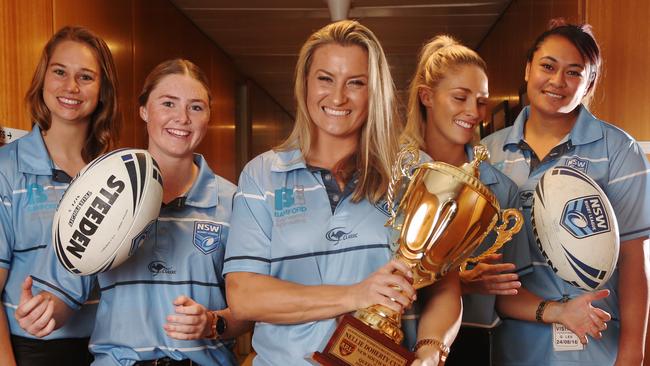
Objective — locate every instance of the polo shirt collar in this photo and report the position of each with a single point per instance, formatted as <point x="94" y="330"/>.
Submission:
<point x="205" y="190"/>
<point x="32" y="154"/>
<point x="285" y="161"/>
<point x="584" y="131"/>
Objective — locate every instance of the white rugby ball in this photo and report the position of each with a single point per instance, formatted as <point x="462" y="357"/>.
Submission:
<point x="107" y="211"/>
<point x="575" y="228"/>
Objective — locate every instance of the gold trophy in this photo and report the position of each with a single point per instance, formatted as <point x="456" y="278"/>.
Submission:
<point x="444" y="214"/>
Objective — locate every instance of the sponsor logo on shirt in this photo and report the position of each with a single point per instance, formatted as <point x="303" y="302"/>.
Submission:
<point x="578" y="164"/>
<point x="585" y="216"/>
<point x="158" y="267"/>
<point x="37" y="199"/>
<point x="337" y="234"/>
<point x="289" y="205"/>
<point x="207" y="236"/>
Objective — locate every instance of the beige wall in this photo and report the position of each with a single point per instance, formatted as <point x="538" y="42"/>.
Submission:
<point x="140" y="33"/>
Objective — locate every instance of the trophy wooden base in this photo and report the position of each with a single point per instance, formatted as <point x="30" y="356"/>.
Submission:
<point x="356" y="344"/>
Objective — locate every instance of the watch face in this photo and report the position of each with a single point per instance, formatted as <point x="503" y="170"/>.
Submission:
<point x="221" y="325"/>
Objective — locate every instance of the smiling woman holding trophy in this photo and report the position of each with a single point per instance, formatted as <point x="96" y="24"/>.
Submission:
<point x="307" y="234"/>
<point x="447" y="100"/>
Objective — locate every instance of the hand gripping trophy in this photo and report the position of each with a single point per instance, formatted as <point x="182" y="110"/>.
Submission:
<point x="444" y="214"/>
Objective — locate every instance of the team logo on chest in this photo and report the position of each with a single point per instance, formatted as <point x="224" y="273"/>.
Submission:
<point x="207" y="236"/>
<point x="577" y="164"/>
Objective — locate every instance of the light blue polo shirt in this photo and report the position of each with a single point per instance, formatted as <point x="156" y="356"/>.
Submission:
<point x="182" y="255"/>
<point x="617" y="163"/>
<point x="30" y="193"/>
<point x="283" y="226"/>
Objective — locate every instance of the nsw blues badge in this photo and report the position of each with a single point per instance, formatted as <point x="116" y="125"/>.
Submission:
<point x="207" y="236"/>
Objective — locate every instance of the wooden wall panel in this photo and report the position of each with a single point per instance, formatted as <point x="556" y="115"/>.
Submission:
<point x="111" y="20"/>
<point x="623" y="96"/>
<point x="219" y="143"/>
<point x="25" y="27"/>
<point x="161" y="32"/>
<point x="270" y="124"/>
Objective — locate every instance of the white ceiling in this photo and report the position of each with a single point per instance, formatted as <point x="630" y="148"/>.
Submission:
<point x="263" y="37"/>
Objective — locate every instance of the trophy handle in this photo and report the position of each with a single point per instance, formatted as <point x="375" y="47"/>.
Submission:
<point x="407" y="158"/>
<point x="504" y="234"/>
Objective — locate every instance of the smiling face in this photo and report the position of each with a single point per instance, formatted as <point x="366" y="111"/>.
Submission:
<point x="177" y="115"/>
<point x="337" y="91"/>
<point x="72" y="83"/>
<point x="557" y="77"/>
<point x="456" y="105"/>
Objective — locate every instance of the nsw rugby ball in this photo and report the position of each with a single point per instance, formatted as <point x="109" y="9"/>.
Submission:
<point x="575" y="227"/>
<point x="107" y="211"/>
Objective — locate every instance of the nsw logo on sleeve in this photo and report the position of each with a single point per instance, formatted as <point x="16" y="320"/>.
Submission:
<point x="207" y="236"/>
<point x="585" y="216"/>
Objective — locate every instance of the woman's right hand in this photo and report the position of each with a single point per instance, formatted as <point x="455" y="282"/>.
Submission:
<point x="579" y="316"/>
<point x="389" y="286"/>
<point x="35" y="314"/>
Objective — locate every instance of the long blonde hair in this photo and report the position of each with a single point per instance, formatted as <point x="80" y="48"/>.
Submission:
<point x="437" y="57"/>
<point x="378" y="143"/>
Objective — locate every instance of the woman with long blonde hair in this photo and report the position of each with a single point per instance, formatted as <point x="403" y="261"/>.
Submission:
<point x="307" y="236"/>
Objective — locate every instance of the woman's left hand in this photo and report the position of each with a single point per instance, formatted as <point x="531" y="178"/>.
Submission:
<point x="191" y="320"/>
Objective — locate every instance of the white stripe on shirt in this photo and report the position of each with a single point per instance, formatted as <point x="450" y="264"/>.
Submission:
<point x="629" y="176"/>
<point x="10" y="305"/>
<point x="182" y="349"/>
<point x="45" y="188"/>
<point x="272" y="194"/>
<point x="182" y="219"/>
<point x="514" y="161"/>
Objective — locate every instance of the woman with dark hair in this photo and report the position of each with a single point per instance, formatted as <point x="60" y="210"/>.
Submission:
<point x="73" y="103"/>
<point x="557" y="129"/>
<point x="165" y="305"/>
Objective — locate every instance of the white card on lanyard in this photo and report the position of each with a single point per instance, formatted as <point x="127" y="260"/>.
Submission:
<point x="565" y="340"/>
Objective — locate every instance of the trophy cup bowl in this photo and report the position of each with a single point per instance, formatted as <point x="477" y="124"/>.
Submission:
<point x="444" y="214"/>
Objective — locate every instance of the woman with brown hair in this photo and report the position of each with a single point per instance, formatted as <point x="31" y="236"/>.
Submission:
<point x="73" y="103"/>
<point x="165" y="305"/>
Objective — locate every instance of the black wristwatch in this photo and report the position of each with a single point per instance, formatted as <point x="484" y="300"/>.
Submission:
<point x="218" y="325"/>
<point x="221" y="325"/>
